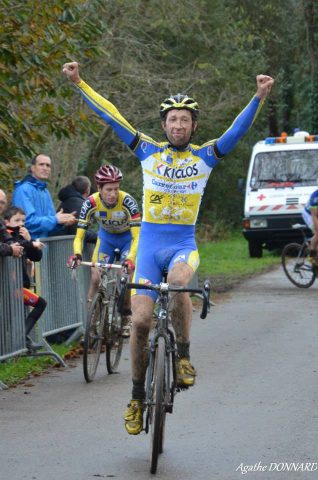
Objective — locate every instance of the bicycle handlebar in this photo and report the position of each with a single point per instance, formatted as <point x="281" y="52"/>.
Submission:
<point x="101" y="265"/>
<point x="165" y="287"/>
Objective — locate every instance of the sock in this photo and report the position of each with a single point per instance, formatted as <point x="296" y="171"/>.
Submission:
<point x="33" y="317"/>
<point x="183" y="350"/>
<point x="138" y="390"/>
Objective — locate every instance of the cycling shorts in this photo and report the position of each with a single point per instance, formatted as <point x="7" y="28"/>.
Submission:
<point x="161" y="247"/>
<point x="106" y="244"/>
<point x="30" y="298"/>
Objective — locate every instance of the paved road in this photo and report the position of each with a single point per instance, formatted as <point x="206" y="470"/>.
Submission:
<point x="255" y="403"/>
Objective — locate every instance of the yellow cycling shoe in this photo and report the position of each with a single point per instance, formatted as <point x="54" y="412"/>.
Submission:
<point x="134" y="417"/>
<point x="185" y="373"/>
<point x="313" y="260"/>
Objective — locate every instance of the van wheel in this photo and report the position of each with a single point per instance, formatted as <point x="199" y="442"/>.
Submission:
<point x="255" y="249"/>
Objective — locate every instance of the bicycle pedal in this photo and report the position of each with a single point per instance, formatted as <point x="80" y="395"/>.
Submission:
<point x="179" y="388"/>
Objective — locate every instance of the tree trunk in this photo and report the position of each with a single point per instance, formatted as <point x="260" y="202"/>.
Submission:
<point x="310" y="10"/>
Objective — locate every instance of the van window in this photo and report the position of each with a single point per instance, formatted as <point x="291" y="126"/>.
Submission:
<point x="285" y="168"/>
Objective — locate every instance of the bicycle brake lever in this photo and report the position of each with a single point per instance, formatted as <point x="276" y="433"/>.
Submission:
<point x="207" y="288"/>
<point x="120" y="301"/>
<point x="73" y="264"/>
<point x="206" y="300"/>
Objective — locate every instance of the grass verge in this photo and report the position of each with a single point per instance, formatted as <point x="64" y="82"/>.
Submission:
<point x="227" y="262"/>
<point x="16" y="369"/>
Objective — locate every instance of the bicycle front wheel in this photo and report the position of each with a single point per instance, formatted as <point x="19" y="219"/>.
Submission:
<point x="93" y="339"/>
<point x="159" y="408"/>
<point x="114" y="338"/>
<point x="296" y="265"/>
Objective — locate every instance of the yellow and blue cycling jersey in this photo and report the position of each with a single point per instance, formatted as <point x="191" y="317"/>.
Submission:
<point x="310" y="207"/>
<point x="174" y="180"/>
<point x="115" y="229"/>
<point x="312" y="203"/>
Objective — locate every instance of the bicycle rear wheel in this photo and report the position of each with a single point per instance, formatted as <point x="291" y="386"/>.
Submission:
<point x="158" y="414"/>
<point x="93" y="339"/>
<point x="296" y="265"/>
<point x="114" y="338"/>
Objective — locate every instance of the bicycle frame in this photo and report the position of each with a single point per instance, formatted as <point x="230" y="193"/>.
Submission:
<point x="162" y="329"/>
<point x="104" y="324"/>
<point x="161" y="384"/>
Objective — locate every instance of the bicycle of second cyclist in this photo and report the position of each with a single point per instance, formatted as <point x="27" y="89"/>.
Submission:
<point x="104" y="322"/>
<point x="297" y="267"/>
<point x="161" y="384"/>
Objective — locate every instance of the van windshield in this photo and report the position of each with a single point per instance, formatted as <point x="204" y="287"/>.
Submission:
<point x="285" y="169"/>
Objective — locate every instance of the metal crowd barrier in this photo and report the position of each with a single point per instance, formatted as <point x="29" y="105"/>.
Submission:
<point x="65" y="297"/>
<point x="12" y="334"/>
<point x="12" y="341"/>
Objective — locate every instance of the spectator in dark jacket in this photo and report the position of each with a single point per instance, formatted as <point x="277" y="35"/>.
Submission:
<point x="72" y="197"/>
<point x="13" y="250"/>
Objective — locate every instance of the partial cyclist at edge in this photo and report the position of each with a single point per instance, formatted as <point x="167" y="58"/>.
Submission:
<point x="310" y="216"/>
<point x="175" y="173"/>
<point x="116" y="212"/>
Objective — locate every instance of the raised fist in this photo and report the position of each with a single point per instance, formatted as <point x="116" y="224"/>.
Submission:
<point x="72" y="72"/>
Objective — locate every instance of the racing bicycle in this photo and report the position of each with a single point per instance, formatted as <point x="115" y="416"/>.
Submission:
<point x="161" y="384"/>
<point x="297" y="267"/>
<point x="104" y="322"/>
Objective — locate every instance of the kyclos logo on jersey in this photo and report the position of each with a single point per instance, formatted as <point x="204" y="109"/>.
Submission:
<point x="189" y="171"/>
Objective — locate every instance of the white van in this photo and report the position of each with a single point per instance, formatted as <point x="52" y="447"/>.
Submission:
<point x="283" y="173"/>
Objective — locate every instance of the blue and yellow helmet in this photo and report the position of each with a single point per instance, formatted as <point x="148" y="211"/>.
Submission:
<point x="179" y="102"/>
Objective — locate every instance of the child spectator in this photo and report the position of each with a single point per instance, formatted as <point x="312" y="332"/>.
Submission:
<point x="14" y="218"/>
<point x="13" y="250"/>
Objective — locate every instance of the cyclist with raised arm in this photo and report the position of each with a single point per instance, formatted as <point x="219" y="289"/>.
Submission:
<point x="115" y="211"/>
<point x="175" y="173"/>
<point x="310" y="215"/>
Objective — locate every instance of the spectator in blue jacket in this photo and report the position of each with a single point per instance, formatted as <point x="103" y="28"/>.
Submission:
<point x="31" y="194"/>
